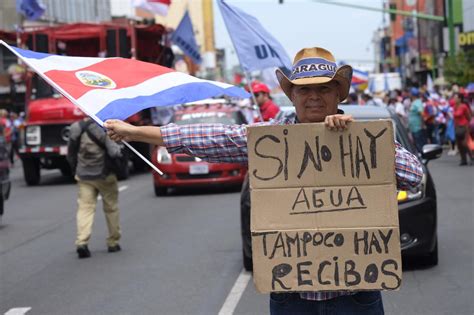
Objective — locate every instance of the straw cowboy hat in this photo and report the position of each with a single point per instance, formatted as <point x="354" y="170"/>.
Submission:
<point x="315" y="66"/>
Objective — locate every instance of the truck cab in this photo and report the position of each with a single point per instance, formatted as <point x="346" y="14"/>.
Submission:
<point x="44" y="140"/>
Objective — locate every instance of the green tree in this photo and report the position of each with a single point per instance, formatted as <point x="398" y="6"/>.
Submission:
<point x="460" y="68"/>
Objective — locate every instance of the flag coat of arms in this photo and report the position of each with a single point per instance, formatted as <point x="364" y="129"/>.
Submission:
<point x="116" y="88"/>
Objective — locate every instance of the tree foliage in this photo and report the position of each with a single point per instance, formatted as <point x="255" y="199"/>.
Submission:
<point x="460" y="68"/>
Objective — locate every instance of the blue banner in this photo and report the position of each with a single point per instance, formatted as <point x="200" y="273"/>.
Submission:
<point x="183" y="37"/>
<point x="31" y="9"/>
<point x="257" y="49"/>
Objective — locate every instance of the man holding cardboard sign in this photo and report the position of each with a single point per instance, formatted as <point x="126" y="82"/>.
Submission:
<point x="332" y="236"/>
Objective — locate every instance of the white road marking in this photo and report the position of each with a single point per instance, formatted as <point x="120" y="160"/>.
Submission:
<point x="121" y="188"/>
<point x="18" y="311"/>
<point x="235" y="293"/>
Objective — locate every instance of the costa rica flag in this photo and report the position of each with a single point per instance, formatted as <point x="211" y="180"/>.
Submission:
<point x="116" y="88"/>
<point x="359" y="77"/>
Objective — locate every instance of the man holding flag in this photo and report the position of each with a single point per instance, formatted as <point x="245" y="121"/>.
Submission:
<point x="316" y="87"/>
<point x="112" y="89"/>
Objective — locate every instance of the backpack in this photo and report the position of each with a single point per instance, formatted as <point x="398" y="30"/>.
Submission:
<point x="93" y="152"/>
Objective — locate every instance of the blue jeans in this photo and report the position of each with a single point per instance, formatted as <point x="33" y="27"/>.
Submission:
<point x="432" y="133"/>
<point x="420" y="139"/>
<point x="362" y="303"/>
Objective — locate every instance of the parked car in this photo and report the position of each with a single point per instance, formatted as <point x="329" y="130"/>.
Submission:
<point x="5" y="184"/>
<point x="182" y="170"/>
<point x="417" y="208"/>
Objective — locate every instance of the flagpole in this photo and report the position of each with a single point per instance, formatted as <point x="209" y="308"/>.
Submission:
<point x="247" y="77"/>
<point x="153" y="166"/>
<point x="74" y="101"/>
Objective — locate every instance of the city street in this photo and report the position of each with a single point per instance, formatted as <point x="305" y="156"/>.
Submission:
<point x="182" y="253"/>
<point x="78" y="76"/>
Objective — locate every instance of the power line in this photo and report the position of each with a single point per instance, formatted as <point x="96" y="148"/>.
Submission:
<point x="391" y="11"/>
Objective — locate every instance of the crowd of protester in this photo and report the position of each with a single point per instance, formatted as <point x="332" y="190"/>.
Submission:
<point x="440" y="116"/>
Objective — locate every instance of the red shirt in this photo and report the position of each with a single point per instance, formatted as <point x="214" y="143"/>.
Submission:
<point x="269" y="110"/>
<point x="461" y="115"/>
<point x="7" y="129"/>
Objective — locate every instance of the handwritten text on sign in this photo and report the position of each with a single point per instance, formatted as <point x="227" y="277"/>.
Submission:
<point x="324" y="210"/>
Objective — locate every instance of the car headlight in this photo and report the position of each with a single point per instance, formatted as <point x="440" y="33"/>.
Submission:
<point x="163" y="157"/>
<point x="413" y="193"/>
<point x="408" y="195"/>
<point x="33" y="135"/>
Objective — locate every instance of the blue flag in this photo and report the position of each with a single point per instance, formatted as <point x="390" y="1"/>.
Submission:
<point x="183" y="37"/>
<point x="257" y="49"/>
<point x="31" y="9"/>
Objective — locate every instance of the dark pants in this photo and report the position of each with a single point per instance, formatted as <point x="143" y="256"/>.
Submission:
<point x="432" y="133"/>
<point x="14" y="150"/>
<point x="362" y="303"/>
<point x="442" y="134"/>
<point x="461" y="141"/>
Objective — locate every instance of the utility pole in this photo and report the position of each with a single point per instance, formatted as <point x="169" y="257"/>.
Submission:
<point x="208" y="17"/>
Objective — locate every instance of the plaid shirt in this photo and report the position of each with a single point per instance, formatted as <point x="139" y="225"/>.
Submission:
<point x="228" y="143"/>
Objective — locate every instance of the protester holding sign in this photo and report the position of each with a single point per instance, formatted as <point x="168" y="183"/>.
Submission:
<point x="316" y="86"/>
<point x="317" y="220"/>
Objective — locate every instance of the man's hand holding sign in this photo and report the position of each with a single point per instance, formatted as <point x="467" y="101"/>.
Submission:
<point x="324" y="217"/>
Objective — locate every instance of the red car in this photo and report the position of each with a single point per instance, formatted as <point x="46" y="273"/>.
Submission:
<point x="182" y="170"/>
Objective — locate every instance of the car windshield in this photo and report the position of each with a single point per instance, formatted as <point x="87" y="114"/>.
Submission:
<point x="401" y="134"/>
<point x="226" y="118"/>
<point x="403" y="137"/>
<point x="41" y="89"/>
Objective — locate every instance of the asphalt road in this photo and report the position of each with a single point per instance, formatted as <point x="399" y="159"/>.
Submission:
<point x="182" y="253"/>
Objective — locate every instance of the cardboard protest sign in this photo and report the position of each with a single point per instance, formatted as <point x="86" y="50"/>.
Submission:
<point x="324" y="214"/>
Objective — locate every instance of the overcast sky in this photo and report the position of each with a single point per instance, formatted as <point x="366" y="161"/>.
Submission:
<point x="346" y="32"/>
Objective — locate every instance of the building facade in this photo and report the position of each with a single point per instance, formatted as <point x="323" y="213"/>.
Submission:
<point x="417" y="47"/>
<point x="73" y="11"/>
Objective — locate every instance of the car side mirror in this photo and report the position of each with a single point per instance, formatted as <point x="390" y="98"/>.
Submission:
<point x="431" y="152"/>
